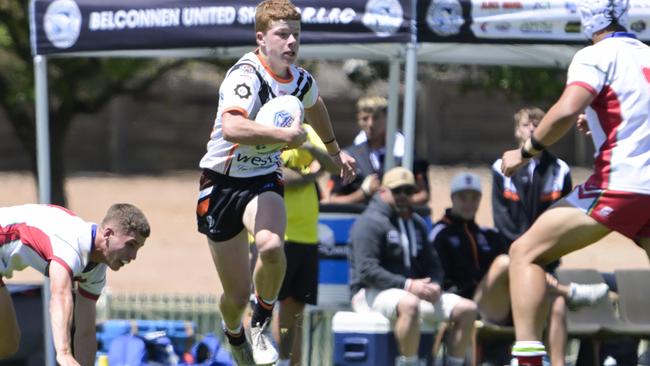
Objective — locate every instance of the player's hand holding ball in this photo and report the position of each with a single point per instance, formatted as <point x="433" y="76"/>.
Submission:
<point x="286" y="112"/>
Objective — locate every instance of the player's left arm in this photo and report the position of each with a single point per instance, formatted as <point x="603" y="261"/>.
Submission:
<point x="61" y="308"/>
<point x="85" y="343"/>
<point x="319" y="119"/>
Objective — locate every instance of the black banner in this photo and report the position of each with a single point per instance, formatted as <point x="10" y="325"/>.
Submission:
<point x="65" y="26"/>
<point x="512" y="21"/>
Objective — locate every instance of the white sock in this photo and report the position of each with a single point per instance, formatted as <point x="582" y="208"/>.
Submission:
<point x="403" y="360"/>
<point x="528" y="348"/>
<point x="455" y="361"/>
<point x="282" y="362"/>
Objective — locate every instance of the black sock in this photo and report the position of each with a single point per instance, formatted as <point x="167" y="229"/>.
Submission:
<point x="261" y="312"/>
<point x="235" y="339"/>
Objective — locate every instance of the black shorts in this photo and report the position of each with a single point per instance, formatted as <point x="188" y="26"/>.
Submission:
<point x="223" y="199"/>
<point x="301" y="278"/>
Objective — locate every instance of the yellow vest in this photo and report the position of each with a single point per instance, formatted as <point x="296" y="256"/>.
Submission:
<point x="302" y="201"/>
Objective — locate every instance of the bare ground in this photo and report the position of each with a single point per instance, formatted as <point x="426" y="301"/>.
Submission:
<point x="176" y="258"/>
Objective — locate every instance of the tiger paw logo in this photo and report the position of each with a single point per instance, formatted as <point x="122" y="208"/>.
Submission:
<point x="243" y="91"/>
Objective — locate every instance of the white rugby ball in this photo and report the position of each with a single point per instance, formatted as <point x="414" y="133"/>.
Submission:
<point x="279" y="112"/>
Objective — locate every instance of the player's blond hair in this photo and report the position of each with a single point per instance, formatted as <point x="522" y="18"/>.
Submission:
<point x="273" y="10"/>
<point x="372" y="104"/>
<point x="128" y="218"/>
<point x="533" y="113"/>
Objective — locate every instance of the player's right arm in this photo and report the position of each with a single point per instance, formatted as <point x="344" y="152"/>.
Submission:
<point x="238" y="96"/>
<point x="237" y="128"/>
<point x="61" y="307"/>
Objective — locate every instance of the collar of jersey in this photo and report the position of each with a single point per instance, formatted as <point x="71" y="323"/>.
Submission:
<point x="270" y="72"/>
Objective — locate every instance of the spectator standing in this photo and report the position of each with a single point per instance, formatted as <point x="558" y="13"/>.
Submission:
<point x="518" y="200"/>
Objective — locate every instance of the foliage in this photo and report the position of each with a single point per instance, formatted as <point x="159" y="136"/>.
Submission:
<point x="533" y="85"/>
<point x="76" y="85"/>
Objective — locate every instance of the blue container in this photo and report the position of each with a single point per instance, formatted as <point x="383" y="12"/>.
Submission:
<point x="180" y="332"/>
<point x="366" y="339"/>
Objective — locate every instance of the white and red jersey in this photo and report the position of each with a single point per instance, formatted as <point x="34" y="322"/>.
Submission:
<point x="248" y="85"/>
<point x="616" y="71"/>
<point x="34" y="235"/>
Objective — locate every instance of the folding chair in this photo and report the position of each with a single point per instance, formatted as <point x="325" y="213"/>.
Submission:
<point x="486" y="331"/>
<point x="599" y="322"/>
<point x="634" y="301"/>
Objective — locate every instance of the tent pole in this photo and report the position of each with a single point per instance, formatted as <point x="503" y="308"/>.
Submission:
<point x="410" y="92"/>
<point x="44" y="186"/>
<point x="393" y="105"/>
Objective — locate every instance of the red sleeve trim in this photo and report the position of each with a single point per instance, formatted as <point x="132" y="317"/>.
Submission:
<point x="87" y="294"/>
<point x="64" y="264"/>
<point x="586" y="86"/>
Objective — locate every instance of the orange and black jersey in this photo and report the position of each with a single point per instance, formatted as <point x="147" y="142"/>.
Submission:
<point x="466" y="252"/>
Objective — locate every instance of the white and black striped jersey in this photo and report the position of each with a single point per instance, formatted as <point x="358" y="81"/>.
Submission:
<point x="248" y="85"/>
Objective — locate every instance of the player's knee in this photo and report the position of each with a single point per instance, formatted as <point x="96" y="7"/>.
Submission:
<point x="269" y="243"/>
<point x="559" y="308"/>
<point x="518" y="251"/>
<point x="465" y="311"/>
<point x="409" y="306"/>
<point x="501" y="263"/>
<point x="237" y="299"/>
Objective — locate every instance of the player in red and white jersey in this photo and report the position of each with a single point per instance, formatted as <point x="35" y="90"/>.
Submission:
<point x="67" y="249"/>
<point x="241" y="187"/>
<point x="610" y="80"/>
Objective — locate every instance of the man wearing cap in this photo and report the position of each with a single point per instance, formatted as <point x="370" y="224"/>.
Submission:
<point x="611" y="81"/>
<point x="475" y="264"/>
<point x="395" y="271"/>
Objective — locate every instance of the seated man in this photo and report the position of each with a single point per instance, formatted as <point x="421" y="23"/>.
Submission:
<point x="476" y="267"/>
<point x="60" y="245"/>
<point x="369" y="151"/>
<point x="395" y="271"/>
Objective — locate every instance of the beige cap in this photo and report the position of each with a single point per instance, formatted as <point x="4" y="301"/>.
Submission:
<point x="397" y="177"/>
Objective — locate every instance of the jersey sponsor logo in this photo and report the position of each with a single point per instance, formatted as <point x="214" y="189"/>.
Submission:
<point x="445" y="17"/>
<point x="243" y="91"/>
<point x="247" y="68"/>
<point x="605" y="211"/>
<point x="62" y="23"/>
<point x="638" y="26"/>
<point x="256" y="161"/>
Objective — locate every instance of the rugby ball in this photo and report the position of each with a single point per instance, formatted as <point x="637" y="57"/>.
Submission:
<point x="279" y="112"/>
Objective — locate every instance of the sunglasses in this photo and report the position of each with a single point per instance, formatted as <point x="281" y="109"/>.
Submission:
<point x="407" y="190"/>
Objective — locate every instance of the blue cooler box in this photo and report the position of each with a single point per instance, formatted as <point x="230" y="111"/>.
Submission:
<point x="368" y="339"/>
